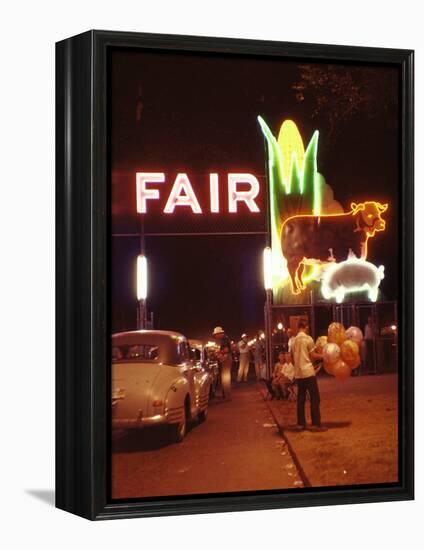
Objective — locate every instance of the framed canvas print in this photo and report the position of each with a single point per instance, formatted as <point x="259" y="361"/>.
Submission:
<point x="234" y="274"/>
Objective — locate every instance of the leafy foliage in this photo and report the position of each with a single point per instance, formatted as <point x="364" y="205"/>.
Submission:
<point x="336" y="93"/>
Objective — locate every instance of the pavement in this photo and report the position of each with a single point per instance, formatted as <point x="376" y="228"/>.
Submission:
<point x="239" y="448"/>
<point x="361" y="443"/>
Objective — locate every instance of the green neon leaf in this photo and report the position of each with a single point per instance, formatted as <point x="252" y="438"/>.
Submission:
<point x="277" y="188"/>
<point x="302" y="193"/>
<point x="295" y="176"/>
<point x="309" y="177"/>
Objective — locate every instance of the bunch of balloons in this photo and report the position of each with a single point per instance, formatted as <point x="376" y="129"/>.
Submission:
<point x="340" y="350"/>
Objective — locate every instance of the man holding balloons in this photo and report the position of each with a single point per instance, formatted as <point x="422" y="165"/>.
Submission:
<point x="304" y="352"/>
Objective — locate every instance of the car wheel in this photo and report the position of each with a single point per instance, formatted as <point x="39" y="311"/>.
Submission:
<point x="179" y="430"/>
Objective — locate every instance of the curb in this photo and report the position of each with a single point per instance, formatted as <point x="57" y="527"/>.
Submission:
<point x="292" y="452"/>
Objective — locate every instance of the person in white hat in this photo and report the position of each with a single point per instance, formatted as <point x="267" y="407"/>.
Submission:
<point x="244" y="350"/>
<point x="225" y="361"/>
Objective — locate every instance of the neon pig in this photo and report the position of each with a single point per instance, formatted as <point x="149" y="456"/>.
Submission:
<point x="352" y="275"/>
<point x="183" y="194"/>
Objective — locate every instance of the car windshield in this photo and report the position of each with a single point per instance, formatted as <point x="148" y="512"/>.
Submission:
<point x="144" y="352"/>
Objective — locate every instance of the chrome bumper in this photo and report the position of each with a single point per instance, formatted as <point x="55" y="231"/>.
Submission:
<point x="155" y="420"/>
<point x="172" y="416"/>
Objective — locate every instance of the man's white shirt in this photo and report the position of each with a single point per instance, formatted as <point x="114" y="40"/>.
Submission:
<point x="302" y="346"/>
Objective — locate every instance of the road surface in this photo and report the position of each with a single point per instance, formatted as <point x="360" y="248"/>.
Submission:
<point x="238" y="448"/>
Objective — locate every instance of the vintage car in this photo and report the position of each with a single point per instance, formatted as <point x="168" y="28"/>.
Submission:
<point x="154" y="381"/>
<point x="201" y="352"/>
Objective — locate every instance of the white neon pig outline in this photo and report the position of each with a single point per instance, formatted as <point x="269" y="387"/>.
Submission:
<point x="351" y="276"/>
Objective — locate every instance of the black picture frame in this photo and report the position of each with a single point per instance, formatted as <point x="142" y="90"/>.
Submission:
<point x="82" y="383"/>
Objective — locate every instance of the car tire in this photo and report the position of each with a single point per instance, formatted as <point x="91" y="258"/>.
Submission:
<point x="179" y="430"/>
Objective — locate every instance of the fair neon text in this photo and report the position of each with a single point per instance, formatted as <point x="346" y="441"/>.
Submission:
<point x="242" y="190"/>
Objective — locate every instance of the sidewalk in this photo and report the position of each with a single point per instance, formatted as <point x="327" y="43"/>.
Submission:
<point x="237" y="449"/>
<point x="360" y="446"/>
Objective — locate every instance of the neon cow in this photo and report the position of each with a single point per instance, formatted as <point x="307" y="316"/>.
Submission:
<point x="311" y="240"/>
<point x="352" y="275"/>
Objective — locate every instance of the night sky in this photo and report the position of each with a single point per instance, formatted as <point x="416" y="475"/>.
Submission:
<point x="196" y="113"/>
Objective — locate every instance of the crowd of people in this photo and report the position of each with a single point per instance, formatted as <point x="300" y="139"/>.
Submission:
<point x="295" y="365"/>
<point x="239" y="356"/>
<point x="294" y="372"/>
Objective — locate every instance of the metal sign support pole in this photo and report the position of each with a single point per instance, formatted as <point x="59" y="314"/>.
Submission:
<point x="268" y="333"/>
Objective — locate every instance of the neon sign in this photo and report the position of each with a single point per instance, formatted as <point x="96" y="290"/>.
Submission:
<point x="309" y="228"/>
<point x="309" y="240"/>
<point x="351" y="276"/>
<point x="243" y="188"/>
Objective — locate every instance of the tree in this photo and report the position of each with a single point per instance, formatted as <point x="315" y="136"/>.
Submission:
<point x="335" y="94"/>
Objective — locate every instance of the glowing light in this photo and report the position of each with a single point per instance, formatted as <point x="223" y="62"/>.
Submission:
<point x="371" y="216"/>
<point x="364" y="219"/>
<point x="144" y="194"/>
<point x="393" y="327"/>
<point x="296" y="190"/>
<point x="267" y="268"/>
<point x="291" y="147"/>
<point x="294" y="187"/>
<point x="242" y="187"/>
<point x="213" y="183"/>
<point x="235" y="196"/>
<point x="280" y="326"/>
<point x="351" y="276"/>
<point x="182" y="194"/>
<point x="141" y="277"/>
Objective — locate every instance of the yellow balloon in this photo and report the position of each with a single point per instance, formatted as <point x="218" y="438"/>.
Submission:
<point x="331" y="353"/>
<point x="341" y="370"/>
<point x="349" y="353"/>
<point x="336" y="333"/>
<point x="320" y="343"/>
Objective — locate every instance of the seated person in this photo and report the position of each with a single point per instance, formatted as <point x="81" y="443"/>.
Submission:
<point x="288" y="373"/>
<point x="282" y="375"/>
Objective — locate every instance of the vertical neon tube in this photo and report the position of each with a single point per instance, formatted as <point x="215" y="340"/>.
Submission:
<point x="267" y="267"/>
<point x="214" y="192"/>
<point x="141" y="277"/>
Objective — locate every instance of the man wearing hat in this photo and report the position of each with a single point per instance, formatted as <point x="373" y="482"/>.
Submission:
<point x="244" y="351"/>
<point x="225" y="360"/>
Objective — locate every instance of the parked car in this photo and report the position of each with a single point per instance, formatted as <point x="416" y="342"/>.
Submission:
<point x="154" y="381"/>
<point x="201" y="352"/>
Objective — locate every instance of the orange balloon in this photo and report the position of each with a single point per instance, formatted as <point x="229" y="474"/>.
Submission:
<point x="320" y="343"/>
<point x="336" y="333"/>
<point x="329" y="368"/>
<point x="341" y="370"/>
<point x="349" y="352"/>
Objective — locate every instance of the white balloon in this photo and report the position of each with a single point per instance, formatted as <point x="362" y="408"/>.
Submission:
<point x="355" y="334"/>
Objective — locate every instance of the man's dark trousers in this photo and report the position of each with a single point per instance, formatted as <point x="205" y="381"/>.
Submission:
<point x="309" y="385"/>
